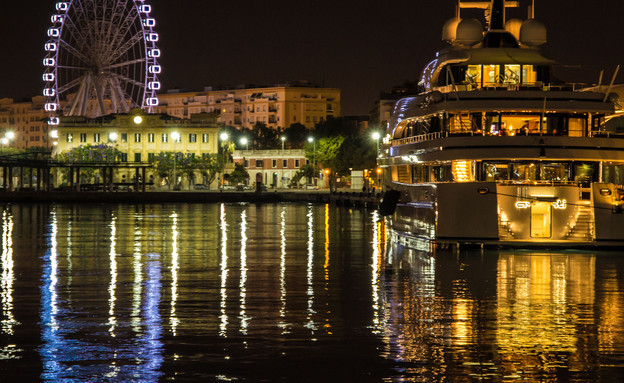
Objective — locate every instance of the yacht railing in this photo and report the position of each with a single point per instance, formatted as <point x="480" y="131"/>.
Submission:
<point x="419" y="138"/>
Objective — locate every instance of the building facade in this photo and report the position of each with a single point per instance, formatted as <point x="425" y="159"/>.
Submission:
<point x="140" y="136"/>
<point x="274" y="168"/>
<point x="277" y="107"/>
<point x="27" y="121"/>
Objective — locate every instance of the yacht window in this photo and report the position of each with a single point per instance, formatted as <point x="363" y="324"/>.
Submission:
<point x="529" y="75"/>
<point x="512" y="74"/>
<point x="442" y="173"/>
<point x="524" y="172"/>
<point x="473" y="75"/>
<point x="554" y="172"/>
<point x="491" y="74"/>
<point x="584" y="173"/>
<point x="577" y="127"/>
<point x="613" y="174"/>
<point x="496" y="172"/>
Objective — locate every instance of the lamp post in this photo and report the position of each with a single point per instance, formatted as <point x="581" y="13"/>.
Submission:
<point x="283" y="139"/>
<point x="313" y="141"/>
<point x="376" y="137"/>
<point x="244" y="141"/>
<point x="224" y="137"/>
<point x="175" y="136"/>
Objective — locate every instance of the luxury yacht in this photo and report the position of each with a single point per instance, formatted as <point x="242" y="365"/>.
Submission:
<point x="493" y="150"/>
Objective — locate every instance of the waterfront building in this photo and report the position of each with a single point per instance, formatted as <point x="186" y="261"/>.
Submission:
<point x="277" y="106"/>
<point x="274" y="168"/>
<point x="26" y="120"/>
<point x="140" y="136"/>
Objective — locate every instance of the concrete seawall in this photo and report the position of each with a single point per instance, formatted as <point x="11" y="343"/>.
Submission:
<point x="348" y="199"/>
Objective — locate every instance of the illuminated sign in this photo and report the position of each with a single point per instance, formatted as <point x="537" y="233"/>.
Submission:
<point x="560" y="204"/>
<point x="523" y="204"/>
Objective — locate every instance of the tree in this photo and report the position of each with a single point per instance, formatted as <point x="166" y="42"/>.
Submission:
<point x="209" y="165"/>
<point x="326" y="151"/>
<point x="356" y="153"/>
<point x="89" y="154"/>
<point x="239" y="174"/>
<point x="163" y="162"/>
<point x="264" y="137"/>
<point x="296" y="135"/>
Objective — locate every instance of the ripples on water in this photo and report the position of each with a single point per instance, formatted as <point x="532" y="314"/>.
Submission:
<point x="293" y="293"/>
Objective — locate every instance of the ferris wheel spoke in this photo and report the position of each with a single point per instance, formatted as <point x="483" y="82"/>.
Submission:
<point x="77" y="33"/>
<point x="72" y="67"/>
<point x="125" y="63"/>
<point x="128" y="80"/>
<point x="70" y="85"/>
<point x="123" y="48"/>
<point x="74" y="51"/>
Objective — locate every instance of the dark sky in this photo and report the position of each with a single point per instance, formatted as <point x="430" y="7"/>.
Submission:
<point x="360" y="47"/>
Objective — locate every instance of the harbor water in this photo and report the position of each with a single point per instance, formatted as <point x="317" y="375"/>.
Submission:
<point x="283" y="292"/>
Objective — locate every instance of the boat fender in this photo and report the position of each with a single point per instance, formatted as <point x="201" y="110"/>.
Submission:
<point x="389" y="202"/>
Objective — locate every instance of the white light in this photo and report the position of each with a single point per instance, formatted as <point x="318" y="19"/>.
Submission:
<point x="54" y="133"/>
<point x="243" y="141"/>
<point x="175" y="136"/>
<point x="54" y="32"/>
<point x="53" y="121"/>
<point x="152" y="37"/>
<point x="112" y="136"/>
<point x="153" y="85"/>
<point x="62" y="6"/>
<point x="152" y="101"/>
<point x="560" y="204"/>
<point x="57" y="19"/>
<point x="310" y="139"/>
<point x="149" y="22"/>
<point x="137" y="119"/>
<point x="4" y="140"/>
<point x="50" y="107"/>
<point x="50" y="47"/>
<point x="48" y="77"/>
<point x="523" y="204"/>
<point x="145" y="8"/>
<point x="48" y="62"/>
<point x="153" y="53"/>
<point x="9" y="135"/>
<point x="155" y="69"/>
<point x="49" y="92"/>
<point x="224" y="136"/>
<point x="376" y="136"/>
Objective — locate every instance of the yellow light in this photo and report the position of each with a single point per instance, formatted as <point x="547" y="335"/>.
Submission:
<point x="137" y="120"/>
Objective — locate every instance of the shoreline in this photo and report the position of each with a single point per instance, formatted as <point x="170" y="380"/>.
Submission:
<point x="341" y="198"/>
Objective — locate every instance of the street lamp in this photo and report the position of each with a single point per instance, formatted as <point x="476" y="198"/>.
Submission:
<point x="244" y="141"/>
<point x="175" y="136"/>
<point x="283" y="138"/>
<point x="224" y="137"/>
<point x="112" y="137"/>
<point x="376" y="137"/>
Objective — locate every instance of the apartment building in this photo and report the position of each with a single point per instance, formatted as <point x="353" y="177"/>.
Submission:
<point x="27" y="120"/>
<point x="278" y="106"/>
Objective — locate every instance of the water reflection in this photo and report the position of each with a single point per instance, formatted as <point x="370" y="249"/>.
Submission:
<point x="273" y="292"/>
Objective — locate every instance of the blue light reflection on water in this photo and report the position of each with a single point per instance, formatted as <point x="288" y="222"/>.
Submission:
<point x="68" y="359"/>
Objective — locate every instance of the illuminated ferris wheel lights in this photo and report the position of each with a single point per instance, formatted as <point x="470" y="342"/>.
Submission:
<point x="53" y="121"/>
<point x="50" y="107"/>
<point x="51" y="47"/>
<point x="153" y="53"/>
<point x="62" y="6"/>
<point x="153" y="85"/>
<point x="57" y="19"/>
<point x="54" y="32"/>
<point x="145" y="8"/>
<point x="152" y="101"/>
<point x="153" y="37"/>
<point x="48" y="77"/>
<point x="49" y="61"/>
<point x="149" y="22"/>
<point x="155" y="69"/>
<point x="49" y="92"/>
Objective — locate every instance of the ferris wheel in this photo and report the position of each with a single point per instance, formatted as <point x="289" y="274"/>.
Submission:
<point x="101" y="58"/>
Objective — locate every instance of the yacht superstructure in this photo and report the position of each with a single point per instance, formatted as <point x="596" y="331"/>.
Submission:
<point x="494" y="150"/>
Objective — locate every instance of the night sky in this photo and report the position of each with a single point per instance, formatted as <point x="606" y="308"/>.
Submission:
<point x="362" y="48"/>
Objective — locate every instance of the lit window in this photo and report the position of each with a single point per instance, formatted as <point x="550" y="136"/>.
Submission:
<point x="150" y="137"/>
<point x="124" y="137"/>
<point x="83" y="137"/>
<point x="192" y="137"/>
<point x="70" y="137"/>
<point x="137" y="137"/>
<point x="96" y="137"/>
<point x="165" y="137"/>
<point x="205" y="137"/>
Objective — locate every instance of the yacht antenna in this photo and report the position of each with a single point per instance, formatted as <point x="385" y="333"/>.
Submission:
<point x="611" y="85"/>
<point x="600" y="78"/>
